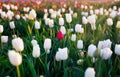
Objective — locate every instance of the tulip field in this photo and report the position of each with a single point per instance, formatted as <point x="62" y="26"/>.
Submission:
<point x="59" y="39"/>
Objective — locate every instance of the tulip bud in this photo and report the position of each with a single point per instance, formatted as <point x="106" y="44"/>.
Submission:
<point x="61" y="21"/>
<point x="106" y="53"/>
<point x="73" y="37"/>
<point x="47" y="45"/>
<point x="37" y="25"/>
<point x="18" y="44"/>
<point x="4" y="39"/>
<point x="68" y="18"/>
<point x="12" y="25"/>
<point x="109" y="22"/>
<point x="14" y="57"/>
<point x="36" y="51"/>
<point x="91" y="50"/>
<point x="60" y="36"/>
<point x="90" y="72"/>
<point x="63" y="30"/>
<point x="80" y="44"/>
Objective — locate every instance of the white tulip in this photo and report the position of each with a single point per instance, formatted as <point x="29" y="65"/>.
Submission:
<point x="47" y="21"/>
<point x="109" y="22"/>
<point x="80" y="44"/>
<point x="27" y="9"/>
<point x="82" y="6"/>
<point x="37" y="25"/>
<point x="4" y="39"/>
<point x="45" y="16"/>
<point x="73" y="37"/>
<point x="63" y="10"/>
<point x="36" y="51"/>
<point x="18" y="44"/>
<point x="91" y="12"/>
<point x="14" y="57"/>
<point x="106" y="13"/>
<point x="103" y="44"/>
<point x="53" y="15"/>
<point x="16" y="8"/>
<point x="51" y="11"/>
<point x="61" y="21"/>
<point x="17" y="16"/>
<point x="3" y="15"/>
<point x="91" y="50"/>
<point x="61" y="54"/>
<point x="12" y="6"/>
<point x="7" y="7"/>
<point x="106" y="53"/>
<point x="47" y="45"/>
<point x="110" y="10"/>
<point x="86" y="7"/>
<point x="68" y="18"/>
<point x="51" y="23"/>
<point x="92" y="19"/>
<point x="90" y="72"/>
<point x="32" y="14"/>
<point x="96" y="11"/>
<point x="84" y="20"/>
<point x="34" y="42"/>
<point x="71" y="12"/>
<point x="91" y="7"/>
<point x="113" y="14"/>
<point x="63" y="30"/>
<point x="117" y="49"/>
<point x="45" y="10"/>
<point x="118" y="24"/>
<point x="107" y="43"/>
<point x="1" y="29"/>
<point x="12" y="25"/>
<point x="114" y="7"/>
<point x="101" y="12"/>
<point x="79" y="29"/>
<point x="10" y="14"/>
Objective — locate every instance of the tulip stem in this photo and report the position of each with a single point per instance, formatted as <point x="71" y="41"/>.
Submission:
<point x="93" y="34"/>
<point x="46" y="59"/>
<point x="85" y="32"/>
<point x="51" y="33"/>
<point x="13" y="31"/>
<point x="41" y="62"/>
<point x="18" y="71"/>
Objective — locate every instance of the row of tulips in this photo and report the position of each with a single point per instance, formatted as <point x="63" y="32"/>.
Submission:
<point x="64" y="42"/>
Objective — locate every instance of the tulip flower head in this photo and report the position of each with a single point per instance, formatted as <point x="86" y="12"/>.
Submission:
<point x="60" y="35"/>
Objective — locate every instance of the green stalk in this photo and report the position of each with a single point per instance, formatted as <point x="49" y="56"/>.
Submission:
<point x="85" y="32"/>
<point x="51" y="32"/>
<point x="41" y="62"/>
<point x="93" y="36"/>
<point x="46" y="59"/>
<point x="18" y="71"/>
<point x="13" y="31"/>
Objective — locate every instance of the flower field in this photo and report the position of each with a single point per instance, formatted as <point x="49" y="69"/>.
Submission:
<point x="59" y="39"/>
